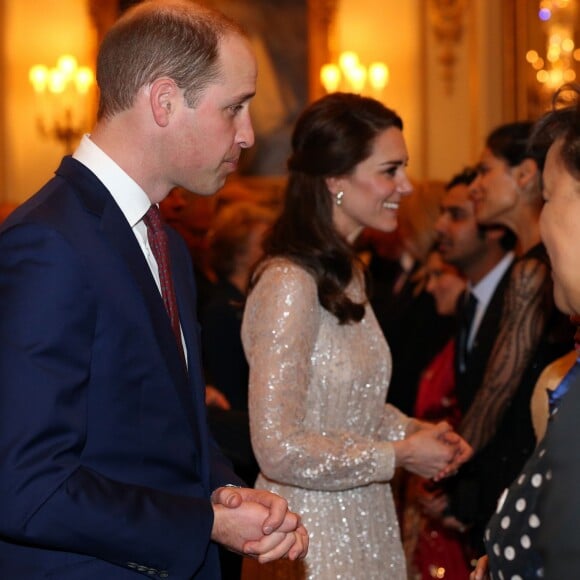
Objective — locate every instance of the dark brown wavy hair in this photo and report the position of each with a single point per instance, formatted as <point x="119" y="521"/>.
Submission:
<point x="331" y="137"/>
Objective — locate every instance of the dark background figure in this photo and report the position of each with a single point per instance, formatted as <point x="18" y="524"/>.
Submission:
<point x="531" y="332"/>
<point x="191" y="216"/>
<point x="534" y="532"/>
<point x="482" y="255"/>
<point x="235" y="245"/>
<point x="405" y="311"/>
<point x="430" y="546"/>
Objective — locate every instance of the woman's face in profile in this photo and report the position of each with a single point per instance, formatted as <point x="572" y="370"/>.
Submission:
<point x="494" y="191"/>
<point x="373" y="190"/>
<point x="444" y="283"/>
<point x="560" y="230"/>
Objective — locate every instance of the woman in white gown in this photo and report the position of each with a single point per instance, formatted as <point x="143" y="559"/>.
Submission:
<point x="319" y="364"/>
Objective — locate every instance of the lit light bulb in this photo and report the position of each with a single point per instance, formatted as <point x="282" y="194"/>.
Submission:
<point x="357" y="77"/>
<point x="348" y="61"/>
<point x="56" y="81"/>
<point x="38" y="77"/>
<point x="378" y="75"/>
<point x="67" y="64"/>
<point x="330" y="77"/>
<point x="83" y="79"/>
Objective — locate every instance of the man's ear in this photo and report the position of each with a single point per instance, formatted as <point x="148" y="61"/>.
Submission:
<point x="163" y="95"/>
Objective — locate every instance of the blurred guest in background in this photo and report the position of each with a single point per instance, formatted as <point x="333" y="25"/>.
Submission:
<point x="533" y="534"/>
<point x="403" y="305"/>
<point x="531" y="333"/>
<point x="483" y="255"/>
<point x="191" y="216"/>
<point x="235" y="245"/>
<point x="432" y="550"/>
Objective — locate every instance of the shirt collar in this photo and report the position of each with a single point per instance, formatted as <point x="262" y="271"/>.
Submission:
<point x="128" y="195"/>
<point x="485" y="288"/>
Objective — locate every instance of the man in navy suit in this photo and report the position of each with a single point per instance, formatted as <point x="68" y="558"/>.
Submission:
<point x="107" y="468"/>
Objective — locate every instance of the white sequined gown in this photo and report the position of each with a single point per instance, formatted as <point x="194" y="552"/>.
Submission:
<point x="320" y="428"/>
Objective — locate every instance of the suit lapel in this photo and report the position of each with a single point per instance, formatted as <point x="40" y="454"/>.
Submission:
<point x="185" y="292"/>
<point x="116" y="230"/>
<point x="492" y="315"/>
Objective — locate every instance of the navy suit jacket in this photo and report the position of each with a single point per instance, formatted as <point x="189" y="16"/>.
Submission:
<point x="106" y="462"/>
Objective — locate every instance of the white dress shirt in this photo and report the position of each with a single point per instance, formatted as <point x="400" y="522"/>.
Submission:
<point x="484" y="290"/>
<point x="129" y="196"/>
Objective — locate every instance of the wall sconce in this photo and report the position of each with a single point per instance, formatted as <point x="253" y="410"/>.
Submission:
<point x="557" y="67"/>
<point x="352" y="76"/>
<point x="62" y="99"/>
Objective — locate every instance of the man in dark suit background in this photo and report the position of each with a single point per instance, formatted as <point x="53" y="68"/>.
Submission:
<point x="483" y="255"/>
<point x="108" y="470"/>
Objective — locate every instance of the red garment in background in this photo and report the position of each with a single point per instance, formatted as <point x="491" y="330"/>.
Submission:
<point x="434" y="551"/>
<point x="436" y="399"/>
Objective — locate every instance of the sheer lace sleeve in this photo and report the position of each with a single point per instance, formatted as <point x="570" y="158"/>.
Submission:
<point x="527" y="308"/>
<point x="295" y="436"/>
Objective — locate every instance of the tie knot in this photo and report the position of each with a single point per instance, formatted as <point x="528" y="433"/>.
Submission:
<point x="153" y="219"/>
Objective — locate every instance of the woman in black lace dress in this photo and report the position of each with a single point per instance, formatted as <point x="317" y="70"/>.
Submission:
<point x="532" y="333"/>
<point x="533" y="532"/>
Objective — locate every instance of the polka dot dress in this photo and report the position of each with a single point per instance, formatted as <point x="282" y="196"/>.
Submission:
<point x="511" y="532"/>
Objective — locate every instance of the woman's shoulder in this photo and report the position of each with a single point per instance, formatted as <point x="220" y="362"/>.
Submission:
<point x="281" y="286"/>
<point x="280" y="267"/>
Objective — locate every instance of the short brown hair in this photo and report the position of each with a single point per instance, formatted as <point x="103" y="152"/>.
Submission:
<point x="178" y="39"/>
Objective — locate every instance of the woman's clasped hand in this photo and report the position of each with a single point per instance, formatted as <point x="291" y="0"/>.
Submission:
<point x="432" y="450"/>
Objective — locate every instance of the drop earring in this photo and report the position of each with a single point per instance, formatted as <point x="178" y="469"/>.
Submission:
<point x="339" y="197"/>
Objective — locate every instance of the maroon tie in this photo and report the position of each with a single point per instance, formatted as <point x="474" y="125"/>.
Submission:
<point x="159" y="246"/>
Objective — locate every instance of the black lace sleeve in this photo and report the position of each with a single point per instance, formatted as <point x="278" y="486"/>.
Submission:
<point x="526" y="312"/>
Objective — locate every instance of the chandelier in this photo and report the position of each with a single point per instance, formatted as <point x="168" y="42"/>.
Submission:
<point x="62" y="99"/>
<point x="562" y="57"/>
<point x="349" y="74"/>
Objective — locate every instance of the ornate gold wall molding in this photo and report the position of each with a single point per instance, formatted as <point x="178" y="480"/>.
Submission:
<point x="446" y="18"/>
<point x="321" y="40"/>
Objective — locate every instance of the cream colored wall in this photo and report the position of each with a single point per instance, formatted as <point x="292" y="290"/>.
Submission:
<point x="444" y="132"/>
<point x="36" y="32"/>
<point x="456" y="123"/>
<point x="389" y="30"/>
